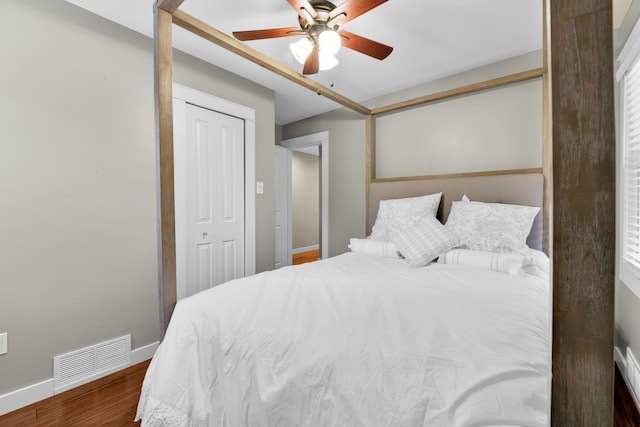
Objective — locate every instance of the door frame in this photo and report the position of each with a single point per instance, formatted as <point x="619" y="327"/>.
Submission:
<point x="285" y="189"/>
<point x="320" y="139"/>
<point x="183" y="95"/>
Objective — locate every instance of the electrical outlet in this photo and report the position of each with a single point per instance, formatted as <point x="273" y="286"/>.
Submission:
<point x="259" y="187"/>
<point x="3" y="343"/>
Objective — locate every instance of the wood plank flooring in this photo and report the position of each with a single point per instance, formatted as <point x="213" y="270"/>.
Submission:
<point x="626" y="413"/>
<point x="112" y="402"/>
<point x="303" y="257"/>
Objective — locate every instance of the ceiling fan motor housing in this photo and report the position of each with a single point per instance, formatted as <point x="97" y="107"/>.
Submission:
<point x="323" y="9"/>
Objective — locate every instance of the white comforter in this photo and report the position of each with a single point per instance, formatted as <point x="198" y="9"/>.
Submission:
<point x="355" y="341"/>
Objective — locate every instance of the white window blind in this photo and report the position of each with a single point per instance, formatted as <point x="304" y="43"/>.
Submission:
<point x="628" y="74"/>
<point x="631" y="164"/>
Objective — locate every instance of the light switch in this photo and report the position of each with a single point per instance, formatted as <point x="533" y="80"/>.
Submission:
<point x="259" y="187"/>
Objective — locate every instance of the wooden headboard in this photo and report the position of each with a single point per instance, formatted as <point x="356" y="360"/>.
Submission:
<point x="513" y="187"/>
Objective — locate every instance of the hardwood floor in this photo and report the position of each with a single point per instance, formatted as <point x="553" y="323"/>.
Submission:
<point x="112" y="401"/>
<point x="626" y="413"/>
<point x="303" y="257"/>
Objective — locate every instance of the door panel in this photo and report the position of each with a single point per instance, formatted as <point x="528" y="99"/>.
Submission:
<point x="204" y="264"/>
<point x="229" y="252"/>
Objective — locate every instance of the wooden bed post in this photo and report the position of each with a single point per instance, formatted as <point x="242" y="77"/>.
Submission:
<point x="370" y="161"/>
<point x="169" y="5"/>
<point x="547" y="137"/>
<point x="163" y="81"/>
<point x="581" y="65"/>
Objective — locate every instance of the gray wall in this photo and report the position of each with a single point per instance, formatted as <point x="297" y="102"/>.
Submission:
<point x="491" y="130"/>
<point x="627" y="309"/>
<point x="305" y="199"/>
<point x="278" y="134"/>
<point x="484" y="131"/>
<point x="346" y="172"/>
<point x="77" y="182"/>
<point x="403" y="138"/>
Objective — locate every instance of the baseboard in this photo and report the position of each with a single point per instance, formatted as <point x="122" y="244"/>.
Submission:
<point x="305" y="249"/>
<point x="621" y="360"/>
<point x="17" y="399"/>
<point x="141" y="354"/>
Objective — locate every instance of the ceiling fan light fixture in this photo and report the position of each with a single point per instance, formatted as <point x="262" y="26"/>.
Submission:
<point x="330" y="42"/>
<point x="327" y="61"/>
<point x="301" y="49"/>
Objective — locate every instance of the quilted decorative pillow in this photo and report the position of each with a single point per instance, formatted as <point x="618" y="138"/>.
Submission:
<point x="424" y="240"/>
<point x="374" y="247"/>
<point x="536" y="263"/>
<point x="493" y="227"/>
<point x="503" y="262"/>
<point x="396" y="214"/>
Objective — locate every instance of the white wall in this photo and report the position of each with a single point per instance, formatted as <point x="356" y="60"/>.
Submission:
<point x="78" y="249"/>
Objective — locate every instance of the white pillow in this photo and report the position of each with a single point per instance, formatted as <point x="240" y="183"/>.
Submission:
<point x="423" y="241"/>
<point x="374" y="247"/>
<point x="493" y="227"/>
<point x="395" y="214"/>
<point x="536" y="263"/>
<point x="492" y="261"/>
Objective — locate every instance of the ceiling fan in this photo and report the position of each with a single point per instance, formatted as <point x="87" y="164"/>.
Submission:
<point x="319" y="22"/>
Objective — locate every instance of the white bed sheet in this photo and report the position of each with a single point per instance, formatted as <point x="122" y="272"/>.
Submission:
<point x="355" y="340"/>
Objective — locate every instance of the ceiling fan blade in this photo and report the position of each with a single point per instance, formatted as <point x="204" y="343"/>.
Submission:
<point x="301" y="5"/>
<point x="365" y="45"/>
<point x="312" y="64"/>
<point x="351" y="9"/>
<point x="267" y="34"/>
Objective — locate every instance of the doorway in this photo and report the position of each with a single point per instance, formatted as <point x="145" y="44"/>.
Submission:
<point x="316" y="144"/>
<point x="305" y="204"/>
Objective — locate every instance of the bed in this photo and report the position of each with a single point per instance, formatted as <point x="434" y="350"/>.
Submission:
<point x="379" y="336"/>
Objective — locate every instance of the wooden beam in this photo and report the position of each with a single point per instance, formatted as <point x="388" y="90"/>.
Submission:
<point x="168" y="5"/>
<point x="547" y="138"/>
<point x="207" y="32"/>
<point x="583" y="212"/>
<point x="459" y="175"/>
<point x="370" y="160"/>
<point x="459" y="91"/>
<point x="164" y="153"/>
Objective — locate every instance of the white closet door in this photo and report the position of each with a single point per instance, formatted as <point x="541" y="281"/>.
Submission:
<point x="215" y="213"/>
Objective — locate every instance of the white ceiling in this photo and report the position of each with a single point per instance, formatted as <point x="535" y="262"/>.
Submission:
<point x="431" y="39"/>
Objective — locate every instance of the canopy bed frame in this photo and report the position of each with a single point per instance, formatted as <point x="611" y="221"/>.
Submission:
<point x="578" y="169"/>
